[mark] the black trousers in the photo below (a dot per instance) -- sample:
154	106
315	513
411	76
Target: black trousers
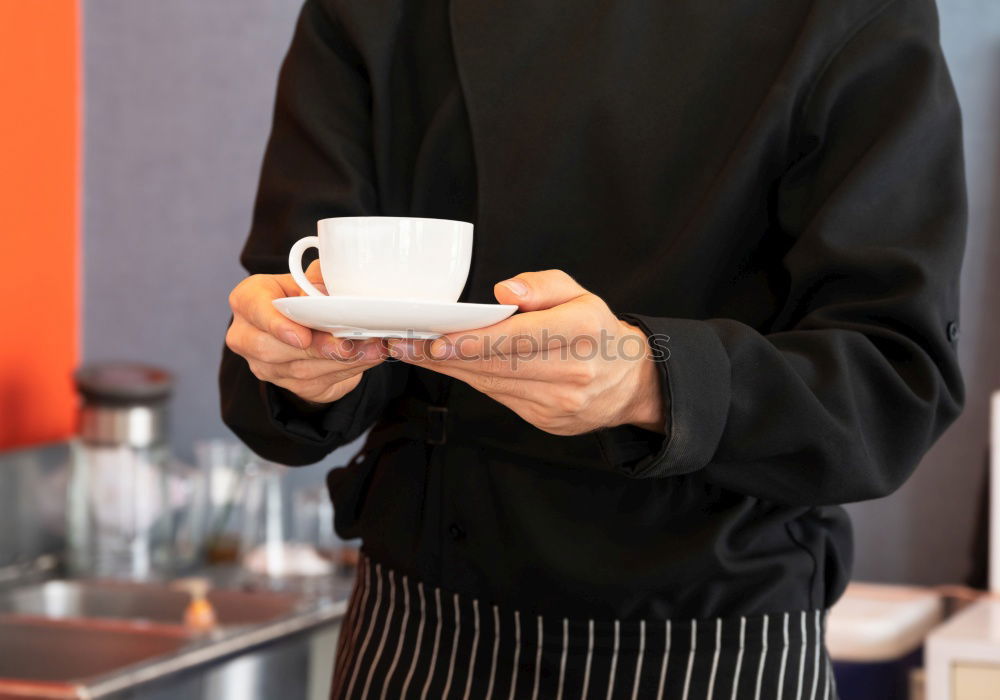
404	639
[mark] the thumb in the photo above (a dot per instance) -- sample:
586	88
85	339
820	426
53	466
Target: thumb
534	291
315	275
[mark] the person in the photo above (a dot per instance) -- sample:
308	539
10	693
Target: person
768	196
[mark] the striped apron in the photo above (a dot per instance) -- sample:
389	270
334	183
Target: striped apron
404	639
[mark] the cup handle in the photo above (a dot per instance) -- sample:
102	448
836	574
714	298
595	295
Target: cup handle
295	264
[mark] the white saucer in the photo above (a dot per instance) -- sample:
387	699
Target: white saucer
369	317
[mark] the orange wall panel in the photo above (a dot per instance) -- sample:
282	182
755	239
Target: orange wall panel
39	218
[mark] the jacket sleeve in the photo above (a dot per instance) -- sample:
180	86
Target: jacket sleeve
842	395
318	164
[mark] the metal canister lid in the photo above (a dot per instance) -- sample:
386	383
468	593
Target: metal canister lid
123	383
124	403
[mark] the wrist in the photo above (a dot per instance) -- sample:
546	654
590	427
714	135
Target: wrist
646	407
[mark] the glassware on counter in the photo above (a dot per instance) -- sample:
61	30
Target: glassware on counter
262	536
268	543
312	521
213	521
239	511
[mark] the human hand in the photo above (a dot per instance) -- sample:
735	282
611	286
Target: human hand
314	366
567	365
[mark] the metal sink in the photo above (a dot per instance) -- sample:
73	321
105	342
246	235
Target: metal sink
141	601
54	658
116	640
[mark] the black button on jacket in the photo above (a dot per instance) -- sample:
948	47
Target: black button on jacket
776	187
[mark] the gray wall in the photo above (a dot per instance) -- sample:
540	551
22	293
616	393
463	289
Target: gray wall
178	101
178	107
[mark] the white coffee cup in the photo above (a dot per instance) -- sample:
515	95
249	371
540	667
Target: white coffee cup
389	257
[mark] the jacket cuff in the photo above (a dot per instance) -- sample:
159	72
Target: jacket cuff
315	426
695	378
628	449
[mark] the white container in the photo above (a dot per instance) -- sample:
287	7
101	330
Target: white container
874	622
875	634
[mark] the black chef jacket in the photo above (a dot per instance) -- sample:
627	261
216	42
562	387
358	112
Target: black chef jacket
777	187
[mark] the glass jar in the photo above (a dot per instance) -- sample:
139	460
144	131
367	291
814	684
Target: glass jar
120	519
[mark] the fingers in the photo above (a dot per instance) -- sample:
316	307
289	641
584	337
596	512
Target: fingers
557	364
314	365
329	347
559	311
306	370
261	333
315	275
247	340
252	299
532	291
320	388
584	318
